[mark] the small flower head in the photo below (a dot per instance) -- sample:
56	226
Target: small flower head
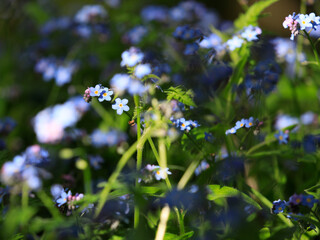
309	201
231	131
295	199
241	123
86	95
283	137
63	198
304	21
250	33
131	57
278	206
161	173
234	43
95	91
142	70
105	95
250	122
121	105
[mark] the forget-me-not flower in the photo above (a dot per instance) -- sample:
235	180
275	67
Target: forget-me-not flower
95	91
120	105
105	95
142	70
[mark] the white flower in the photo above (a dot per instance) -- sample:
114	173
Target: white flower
304	21
161	173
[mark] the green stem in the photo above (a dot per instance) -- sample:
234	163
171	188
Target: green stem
122	162
47	202
54	93
139	158
188	174
87	180
316	56
155	153
25	197
163	159
105	115
254	148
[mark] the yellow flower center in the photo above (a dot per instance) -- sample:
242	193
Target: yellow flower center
158	172
250	123
105	94
96	92
281	137
120	105
280	208
308	199
183	125
298	200
303	22
241	125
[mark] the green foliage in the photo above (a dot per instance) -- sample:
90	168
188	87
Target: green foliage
251	16
218	191
186	97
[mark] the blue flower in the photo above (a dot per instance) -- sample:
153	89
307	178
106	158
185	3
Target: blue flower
309	201
63	198
250	33
191	49
131	57
95	161
278	206
120	105
184	125
120	82
142	70
241	123
250	122
282	137
105	95
295	199
234	43
231	131
95	91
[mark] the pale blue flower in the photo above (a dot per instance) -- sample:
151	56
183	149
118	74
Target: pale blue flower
142	70
241	123
131	57
234	43
120	105
95	91
105	95
63	198
120	82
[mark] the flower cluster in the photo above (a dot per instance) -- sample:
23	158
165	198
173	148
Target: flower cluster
24	169
297	22
51	68
49	124
103	93
183	124
295	201
298	205
64	198
248	123
249	34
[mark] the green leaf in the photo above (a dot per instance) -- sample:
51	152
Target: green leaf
171	236
252	14
186	97
218	191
